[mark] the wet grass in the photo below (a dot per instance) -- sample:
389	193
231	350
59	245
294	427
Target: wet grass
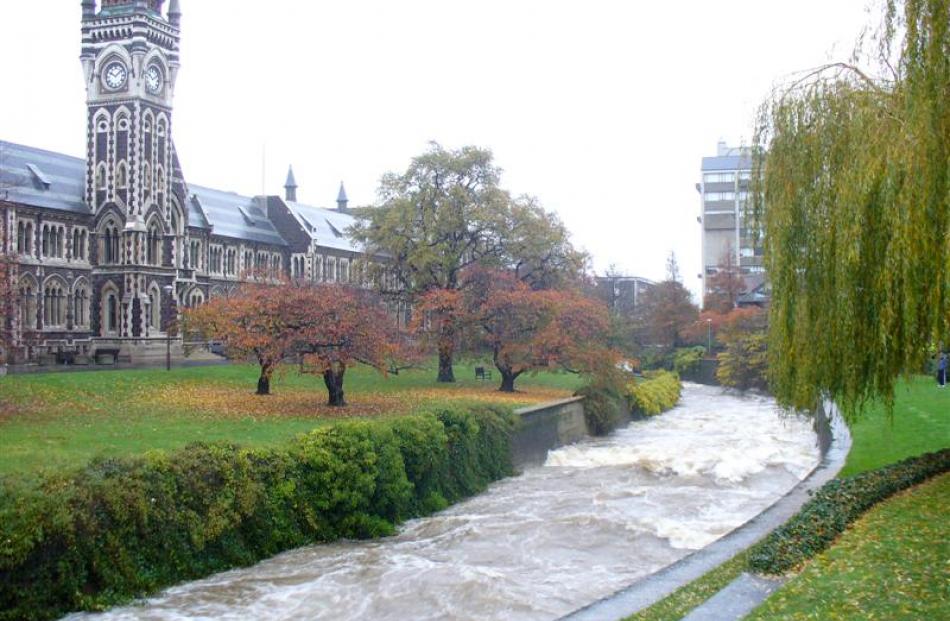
917	425
59	420
891	564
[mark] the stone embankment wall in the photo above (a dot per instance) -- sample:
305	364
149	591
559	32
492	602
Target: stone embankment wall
545	427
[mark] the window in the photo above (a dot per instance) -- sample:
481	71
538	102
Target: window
54	305
318	268
344	270
112	313
331	269
28	304
720	196
81	306
719	177
154	309
121	176
110	244
101	177
153	244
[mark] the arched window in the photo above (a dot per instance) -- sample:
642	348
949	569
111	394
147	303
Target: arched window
331	269
110	244
101	177
110	311
20	238
54	305
154	309
81	306
153	247
146	181
195	299
29	238
61	242
46	240
122	176
27	311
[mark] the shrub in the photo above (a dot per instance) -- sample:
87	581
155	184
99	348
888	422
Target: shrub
743	364
687	358
657	392
836	505
122	528
605	408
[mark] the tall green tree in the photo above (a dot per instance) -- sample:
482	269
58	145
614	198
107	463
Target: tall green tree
447	213
852	186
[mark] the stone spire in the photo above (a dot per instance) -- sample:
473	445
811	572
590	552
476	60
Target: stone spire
290	186
88	8
341	199
174	13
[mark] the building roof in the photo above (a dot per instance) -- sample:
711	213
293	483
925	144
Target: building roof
727	162
327	227
233	215
41	178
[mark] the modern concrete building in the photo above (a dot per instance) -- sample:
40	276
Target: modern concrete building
724	192
622	294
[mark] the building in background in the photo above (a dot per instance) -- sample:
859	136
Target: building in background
724	193
622	294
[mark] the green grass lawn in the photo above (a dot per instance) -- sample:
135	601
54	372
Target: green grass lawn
890	564
57	420
920	423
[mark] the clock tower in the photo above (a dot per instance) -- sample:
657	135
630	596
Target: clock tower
130	60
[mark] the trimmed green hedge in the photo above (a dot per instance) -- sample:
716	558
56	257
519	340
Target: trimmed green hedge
123	528
834	507
605	409
659	392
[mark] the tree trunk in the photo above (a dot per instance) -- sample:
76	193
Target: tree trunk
446	351
333	378
263	385
507	380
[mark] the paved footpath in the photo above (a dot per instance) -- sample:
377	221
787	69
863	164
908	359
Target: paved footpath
751	590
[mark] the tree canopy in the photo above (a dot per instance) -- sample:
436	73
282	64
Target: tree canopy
447	213
852	188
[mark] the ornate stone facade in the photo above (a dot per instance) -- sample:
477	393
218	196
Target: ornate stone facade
109	247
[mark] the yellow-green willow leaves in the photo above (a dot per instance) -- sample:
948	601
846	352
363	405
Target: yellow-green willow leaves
852	189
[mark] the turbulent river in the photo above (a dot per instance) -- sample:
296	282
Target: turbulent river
594	518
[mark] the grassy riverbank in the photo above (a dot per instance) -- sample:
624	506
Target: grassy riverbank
891	564
918	425
62	420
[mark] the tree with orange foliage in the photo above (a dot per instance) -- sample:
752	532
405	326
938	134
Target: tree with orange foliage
335	327
251	324
725	286
524	329
329	327
711	324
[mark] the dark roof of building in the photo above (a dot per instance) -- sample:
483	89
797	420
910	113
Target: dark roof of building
41	178
326	227
727	162
233	215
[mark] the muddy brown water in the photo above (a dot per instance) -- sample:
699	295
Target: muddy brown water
594	518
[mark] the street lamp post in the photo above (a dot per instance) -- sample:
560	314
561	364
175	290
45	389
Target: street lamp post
168	329
708	336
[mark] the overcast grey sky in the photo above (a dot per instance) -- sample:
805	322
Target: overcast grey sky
601	108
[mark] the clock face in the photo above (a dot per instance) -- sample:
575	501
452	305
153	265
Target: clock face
153	79
115	75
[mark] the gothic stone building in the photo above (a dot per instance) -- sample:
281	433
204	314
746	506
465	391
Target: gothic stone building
109	247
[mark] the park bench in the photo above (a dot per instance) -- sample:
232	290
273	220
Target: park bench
481	373
107	356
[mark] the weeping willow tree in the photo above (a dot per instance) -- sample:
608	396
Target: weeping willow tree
852	191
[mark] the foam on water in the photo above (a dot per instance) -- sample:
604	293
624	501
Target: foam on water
596	517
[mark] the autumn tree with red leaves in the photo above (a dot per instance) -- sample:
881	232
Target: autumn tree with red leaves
524	329
251	324
328	327
725	286
335	327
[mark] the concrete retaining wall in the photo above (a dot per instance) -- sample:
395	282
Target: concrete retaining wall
545	427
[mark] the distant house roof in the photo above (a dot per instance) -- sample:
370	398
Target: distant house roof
727	162
233	215
327	227
41	178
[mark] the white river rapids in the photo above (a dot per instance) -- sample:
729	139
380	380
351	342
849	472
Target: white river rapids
594	518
